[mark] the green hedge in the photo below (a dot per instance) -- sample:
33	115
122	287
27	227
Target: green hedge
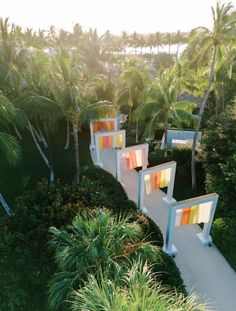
224	236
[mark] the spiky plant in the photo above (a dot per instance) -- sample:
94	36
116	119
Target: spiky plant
136	290
94	243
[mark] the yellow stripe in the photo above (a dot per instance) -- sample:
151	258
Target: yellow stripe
100	142
168	175
119	140
193	218
147	180
163	179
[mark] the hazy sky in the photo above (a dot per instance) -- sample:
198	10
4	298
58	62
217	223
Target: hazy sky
116	15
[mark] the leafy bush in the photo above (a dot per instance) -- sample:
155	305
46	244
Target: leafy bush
27	263
219	158
223	233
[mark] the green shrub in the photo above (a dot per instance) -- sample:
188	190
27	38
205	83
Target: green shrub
223	234
27	263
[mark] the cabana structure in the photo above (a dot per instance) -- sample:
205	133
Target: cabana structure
179	139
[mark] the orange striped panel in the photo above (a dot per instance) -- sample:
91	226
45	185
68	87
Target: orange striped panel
157	180
185	216
133	159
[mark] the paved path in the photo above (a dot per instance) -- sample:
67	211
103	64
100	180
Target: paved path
204	270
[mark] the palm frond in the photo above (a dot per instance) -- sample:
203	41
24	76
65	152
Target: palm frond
10	148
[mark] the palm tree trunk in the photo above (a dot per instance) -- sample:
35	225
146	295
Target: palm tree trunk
76	143
177	52
136	132
165	138
42	139
17	132
67	134
203	104
50	160
45	159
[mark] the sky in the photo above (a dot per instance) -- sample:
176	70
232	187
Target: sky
143	16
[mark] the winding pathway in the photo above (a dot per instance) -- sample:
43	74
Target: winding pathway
204	270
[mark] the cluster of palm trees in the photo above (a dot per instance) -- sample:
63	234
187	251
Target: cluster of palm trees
40	87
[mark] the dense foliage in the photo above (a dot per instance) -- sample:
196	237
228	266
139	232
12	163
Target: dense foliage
27	263
219	158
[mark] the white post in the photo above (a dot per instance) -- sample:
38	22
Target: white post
204	236
170	189
92	142
118	165
140	190
97	151
169	247
123	140
145	161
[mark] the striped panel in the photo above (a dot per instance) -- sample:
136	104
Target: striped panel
132	159
194	214
103	126
159	179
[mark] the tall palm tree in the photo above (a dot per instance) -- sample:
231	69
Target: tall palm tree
94	242
162	106
130	91
125	39
178	39
74	88
215	42
158	40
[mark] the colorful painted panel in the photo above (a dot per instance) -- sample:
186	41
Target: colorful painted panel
103	126
159	179
133	159
112	141
194	214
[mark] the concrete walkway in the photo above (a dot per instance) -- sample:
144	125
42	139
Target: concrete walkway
204	270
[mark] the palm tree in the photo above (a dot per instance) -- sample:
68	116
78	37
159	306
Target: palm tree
8	143
158	40
178	39
125	40
135	290
130	91
151	41
134	41
74	89
215	42
162	106
94	242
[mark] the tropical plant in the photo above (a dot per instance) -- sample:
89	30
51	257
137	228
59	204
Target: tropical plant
214	43
92	243
135	290
162	106
8	143
131	90
74	89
